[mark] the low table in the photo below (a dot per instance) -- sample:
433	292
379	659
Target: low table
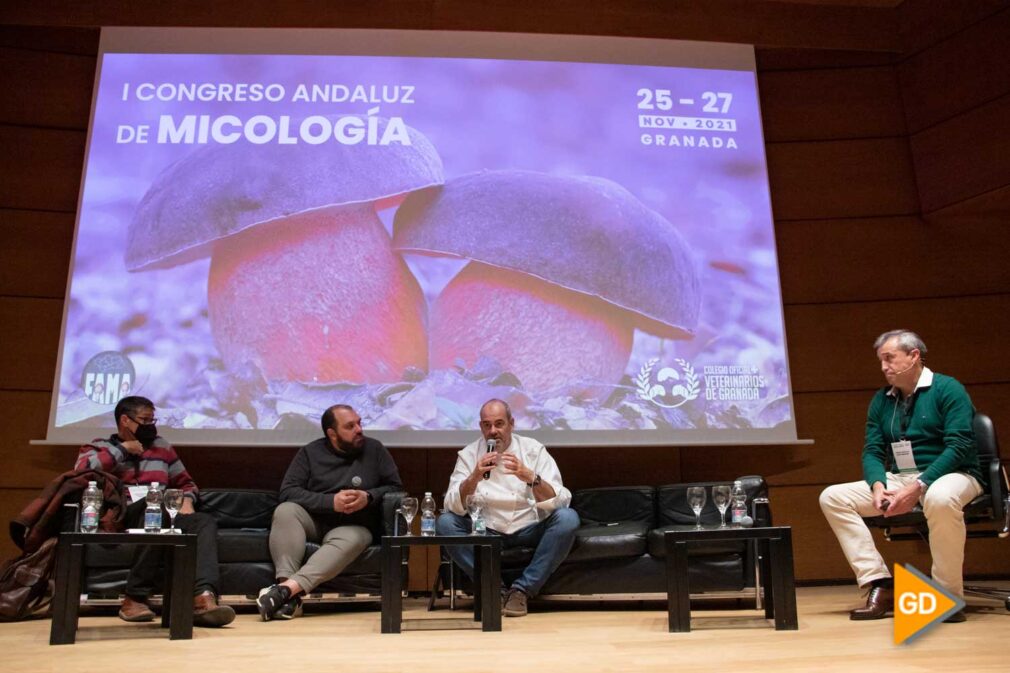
487	571
180	567
775	547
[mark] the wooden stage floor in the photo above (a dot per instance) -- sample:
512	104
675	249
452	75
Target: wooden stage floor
557	638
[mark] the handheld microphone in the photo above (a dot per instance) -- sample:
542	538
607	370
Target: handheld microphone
491	443
356	481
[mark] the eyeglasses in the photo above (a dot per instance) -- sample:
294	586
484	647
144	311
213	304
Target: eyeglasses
143	421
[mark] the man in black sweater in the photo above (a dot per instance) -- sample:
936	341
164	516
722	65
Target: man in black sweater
332	495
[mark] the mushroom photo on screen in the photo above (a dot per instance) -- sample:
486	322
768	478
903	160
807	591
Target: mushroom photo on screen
303	281
562	270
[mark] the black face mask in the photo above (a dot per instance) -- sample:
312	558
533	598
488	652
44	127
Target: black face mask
146	434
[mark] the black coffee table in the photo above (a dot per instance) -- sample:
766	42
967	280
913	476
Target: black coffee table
775	545
487	570
180	567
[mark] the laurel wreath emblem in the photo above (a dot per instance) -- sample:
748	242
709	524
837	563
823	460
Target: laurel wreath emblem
691	384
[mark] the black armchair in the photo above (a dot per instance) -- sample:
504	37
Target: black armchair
988	515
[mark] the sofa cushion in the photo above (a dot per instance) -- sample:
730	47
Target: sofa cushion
598	541
239	508
618	503
243	545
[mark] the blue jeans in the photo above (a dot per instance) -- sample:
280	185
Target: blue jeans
553	538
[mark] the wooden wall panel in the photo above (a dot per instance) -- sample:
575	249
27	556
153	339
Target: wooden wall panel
770	59
924	23
849	178
827	342
82	41
31	336
60	86
40	169
992	207
963	157
805	104
26	414
945	256
766	23
35	254
958	74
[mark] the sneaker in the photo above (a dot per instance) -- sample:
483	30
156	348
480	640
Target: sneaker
135	610
271	599
208	612
290	610
515	604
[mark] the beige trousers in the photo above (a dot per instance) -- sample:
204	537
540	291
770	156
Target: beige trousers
338	547
844	505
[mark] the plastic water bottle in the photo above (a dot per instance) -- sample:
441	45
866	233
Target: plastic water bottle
739	498
152	515
91	508
428	515
479	526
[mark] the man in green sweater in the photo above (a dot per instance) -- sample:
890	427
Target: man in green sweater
920	447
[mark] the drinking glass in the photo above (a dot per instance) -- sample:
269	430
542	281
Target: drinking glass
474	505
696	501
720	496
173	503
408	508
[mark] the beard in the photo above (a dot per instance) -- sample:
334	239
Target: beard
353	448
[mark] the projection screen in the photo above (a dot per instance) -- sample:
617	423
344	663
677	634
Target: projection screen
275	221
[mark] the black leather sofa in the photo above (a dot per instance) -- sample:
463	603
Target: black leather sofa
619	549
243	519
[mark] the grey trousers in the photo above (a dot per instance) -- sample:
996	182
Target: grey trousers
338	547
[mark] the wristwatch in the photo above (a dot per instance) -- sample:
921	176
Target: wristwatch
536	482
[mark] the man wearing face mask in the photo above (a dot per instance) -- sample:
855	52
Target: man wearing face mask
919	448
332	495
140	457
524	501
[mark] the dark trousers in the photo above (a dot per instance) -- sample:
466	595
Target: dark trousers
146	574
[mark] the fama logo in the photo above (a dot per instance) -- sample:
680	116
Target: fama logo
670	387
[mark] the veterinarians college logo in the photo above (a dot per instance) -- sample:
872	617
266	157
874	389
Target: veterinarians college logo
670	387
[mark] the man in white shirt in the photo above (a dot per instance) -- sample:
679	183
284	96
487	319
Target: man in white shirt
524	502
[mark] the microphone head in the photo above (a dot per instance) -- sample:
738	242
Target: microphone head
356	481
491	444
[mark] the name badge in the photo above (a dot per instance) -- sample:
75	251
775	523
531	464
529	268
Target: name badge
903	456
137	493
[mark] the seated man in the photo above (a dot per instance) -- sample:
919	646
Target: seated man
138	456
332	495
525	502
920	424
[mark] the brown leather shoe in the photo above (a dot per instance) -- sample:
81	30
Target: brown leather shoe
515	603
131	610
879	604
208	612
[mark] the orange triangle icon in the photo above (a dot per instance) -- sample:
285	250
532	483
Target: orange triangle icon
919	604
